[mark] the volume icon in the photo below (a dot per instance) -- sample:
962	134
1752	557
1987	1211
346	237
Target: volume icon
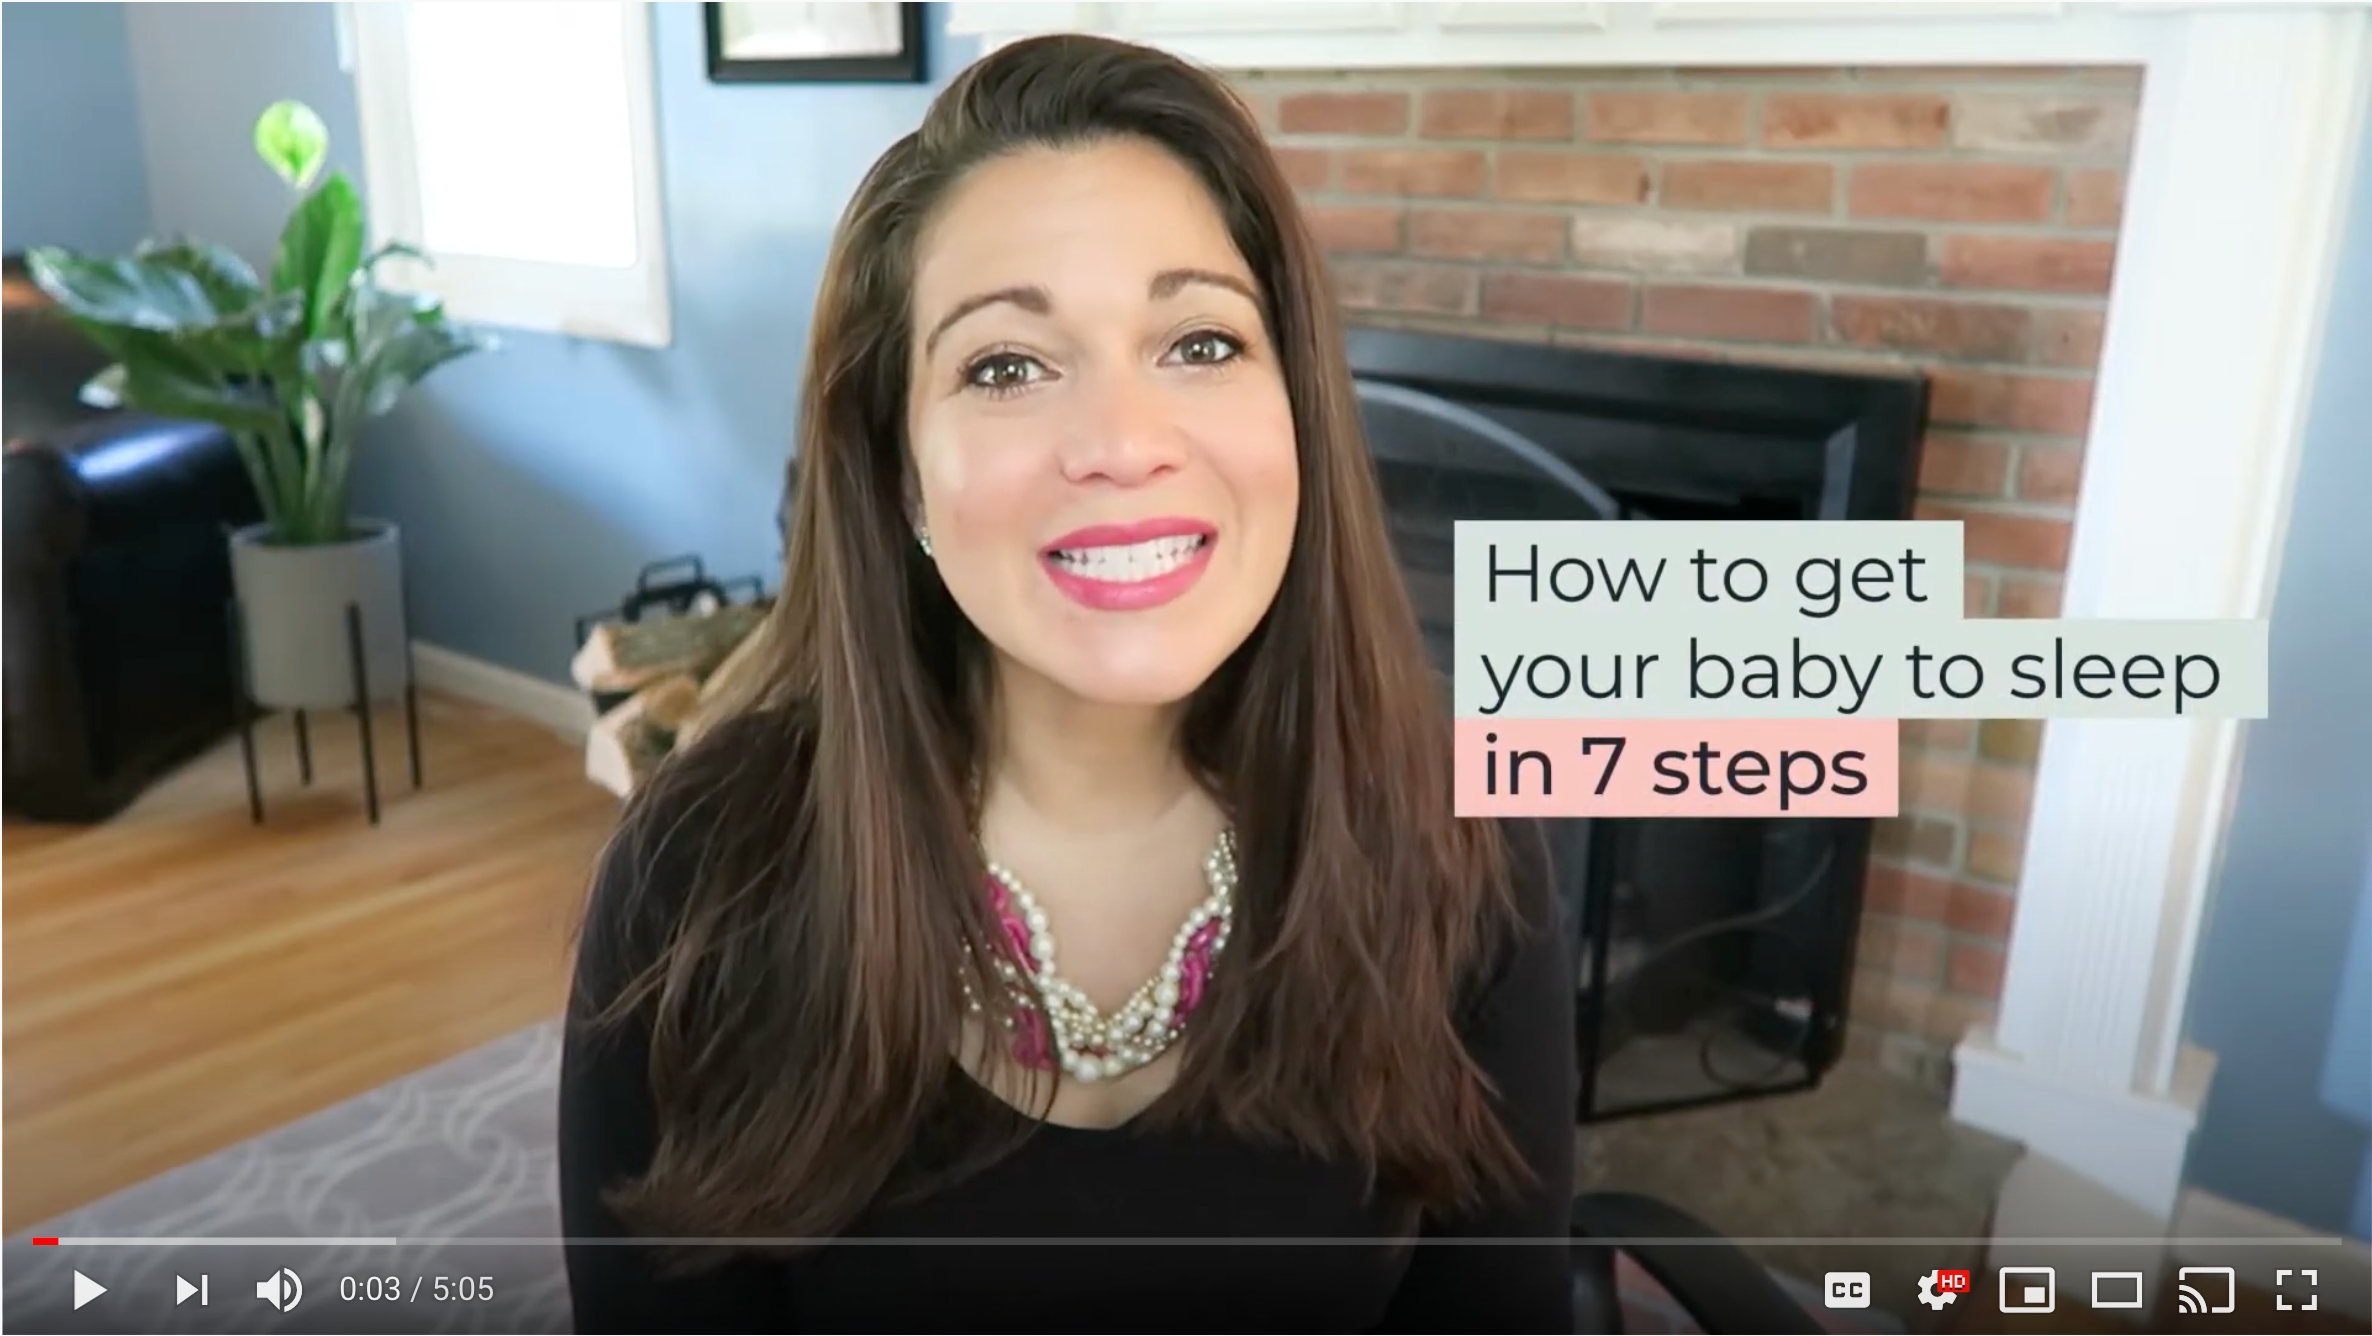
281	1290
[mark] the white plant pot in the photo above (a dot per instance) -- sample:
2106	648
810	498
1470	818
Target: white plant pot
293	604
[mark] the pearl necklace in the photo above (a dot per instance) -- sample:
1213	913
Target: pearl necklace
1083	1040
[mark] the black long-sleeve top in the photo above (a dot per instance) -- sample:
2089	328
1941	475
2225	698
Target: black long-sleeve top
1119	1184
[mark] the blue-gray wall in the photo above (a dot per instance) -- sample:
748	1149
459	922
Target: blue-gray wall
68	132
532	484
2283	989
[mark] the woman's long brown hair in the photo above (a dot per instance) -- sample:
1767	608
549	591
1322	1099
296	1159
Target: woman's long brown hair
811	866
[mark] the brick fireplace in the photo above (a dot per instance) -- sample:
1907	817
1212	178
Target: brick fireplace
2104	233
1960	224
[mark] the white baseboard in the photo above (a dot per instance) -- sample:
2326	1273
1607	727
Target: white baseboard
564	710
2133	1144
2343	1280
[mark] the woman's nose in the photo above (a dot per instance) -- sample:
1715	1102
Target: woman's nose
1129	434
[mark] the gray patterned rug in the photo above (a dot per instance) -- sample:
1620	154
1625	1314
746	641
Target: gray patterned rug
456	1161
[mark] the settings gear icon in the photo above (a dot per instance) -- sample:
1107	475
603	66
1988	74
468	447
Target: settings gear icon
1928	1295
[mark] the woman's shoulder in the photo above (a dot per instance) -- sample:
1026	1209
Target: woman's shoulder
741	775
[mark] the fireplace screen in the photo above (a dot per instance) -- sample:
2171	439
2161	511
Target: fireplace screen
1714	954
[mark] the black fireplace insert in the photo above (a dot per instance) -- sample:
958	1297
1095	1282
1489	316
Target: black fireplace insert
1716	953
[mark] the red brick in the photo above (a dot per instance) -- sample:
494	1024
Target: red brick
2067	337
1422	171
2025	597
2028	264
1916	839
1305	169
1572	178
2050	474
1487	234
1990	793
1963	466
1667	118
1370	286
1770	187
1976	970
1985	333
1765	73
1972	192
2051	405
1855	121
2095	198
1343	114
1980	910
1906	950
2031	542
1976	594
2017	741
1967	73
1996	856
1496	113
1764	315
1557	299
1939	735
1647	244
1906	894
1835	254
2023	123
1356	229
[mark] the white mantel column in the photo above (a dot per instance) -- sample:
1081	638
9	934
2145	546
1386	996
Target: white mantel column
2234	208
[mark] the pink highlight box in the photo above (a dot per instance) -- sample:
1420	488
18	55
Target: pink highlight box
1816	767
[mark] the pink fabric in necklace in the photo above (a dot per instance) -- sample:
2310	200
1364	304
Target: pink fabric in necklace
1033	1047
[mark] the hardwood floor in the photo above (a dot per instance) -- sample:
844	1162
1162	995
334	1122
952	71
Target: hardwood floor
179	980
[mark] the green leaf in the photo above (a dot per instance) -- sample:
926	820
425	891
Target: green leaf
105	390
133	293
155	389
292	141
398	339
320	249
228	281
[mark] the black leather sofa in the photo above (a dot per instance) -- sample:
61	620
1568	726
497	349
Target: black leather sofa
116	572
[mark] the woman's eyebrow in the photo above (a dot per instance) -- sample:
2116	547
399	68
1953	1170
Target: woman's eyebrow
1035	300
1029	297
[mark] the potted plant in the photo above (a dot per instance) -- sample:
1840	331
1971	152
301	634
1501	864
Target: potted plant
294	364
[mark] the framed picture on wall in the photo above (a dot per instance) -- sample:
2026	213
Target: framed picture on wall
814	43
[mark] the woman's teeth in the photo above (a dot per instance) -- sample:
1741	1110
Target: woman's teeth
1132	562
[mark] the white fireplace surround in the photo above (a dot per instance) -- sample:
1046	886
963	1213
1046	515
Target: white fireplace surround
2249	119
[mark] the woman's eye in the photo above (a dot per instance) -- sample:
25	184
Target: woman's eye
1207	348
1002	372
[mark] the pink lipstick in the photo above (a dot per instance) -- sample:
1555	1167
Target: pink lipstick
1130	567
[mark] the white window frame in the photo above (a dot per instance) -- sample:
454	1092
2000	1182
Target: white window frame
629	305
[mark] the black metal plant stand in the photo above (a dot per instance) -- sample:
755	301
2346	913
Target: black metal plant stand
245	710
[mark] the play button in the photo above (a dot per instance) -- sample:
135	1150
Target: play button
86	1289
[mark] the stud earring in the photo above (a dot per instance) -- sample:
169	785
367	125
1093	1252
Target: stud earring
922	536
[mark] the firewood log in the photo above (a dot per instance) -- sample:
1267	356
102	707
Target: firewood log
627	656
730	687
630	741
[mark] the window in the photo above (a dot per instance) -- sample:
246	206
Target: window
516	145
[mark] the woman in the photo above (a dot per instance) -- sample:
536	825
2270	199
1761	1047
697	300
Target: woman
1086	872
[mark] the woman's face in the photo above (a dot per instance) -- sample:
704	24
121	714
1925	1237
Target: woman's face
1101	434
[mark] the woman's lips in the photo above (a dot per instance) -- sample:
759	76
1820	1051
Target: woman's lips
1130	567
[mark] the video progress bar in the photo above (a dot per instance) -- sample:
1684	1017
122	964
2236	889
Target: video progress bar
253	1241
533	1241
